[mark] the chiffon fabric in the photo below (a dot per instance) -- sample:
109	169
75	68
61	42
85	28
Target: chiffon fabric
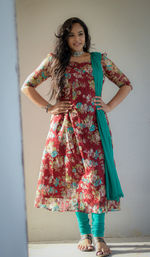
112	184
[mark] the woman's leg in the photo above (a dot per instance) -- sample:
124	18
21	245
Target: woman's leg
84	228
83	222
98	227
98	224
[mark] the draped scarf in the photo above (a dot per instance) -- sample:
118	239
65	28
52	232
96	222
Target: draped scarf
113	187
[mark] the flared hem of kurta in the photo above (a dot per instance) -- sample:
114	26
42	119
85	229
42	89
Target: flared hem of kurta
72	205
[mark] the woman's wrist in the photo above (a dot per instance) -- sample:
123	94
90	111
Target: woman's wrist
118	98
110	107
47	107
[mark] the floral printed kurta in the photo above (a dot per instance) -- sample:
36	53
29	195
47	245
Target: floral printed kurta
72	174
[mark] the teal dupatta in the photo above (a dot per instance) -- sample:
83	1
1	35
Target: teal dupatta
113	187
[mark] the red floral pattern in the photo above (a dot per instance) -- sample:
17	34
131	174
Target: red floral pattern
72	175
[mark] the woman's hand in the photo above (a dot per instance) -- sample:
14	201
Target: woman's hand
60	107
99	102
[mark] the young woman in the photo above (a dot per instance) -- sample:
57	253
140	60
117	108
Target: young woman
72	173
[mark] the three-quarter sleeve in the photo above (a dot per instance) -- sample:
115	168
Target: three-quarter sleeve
41	73
113	73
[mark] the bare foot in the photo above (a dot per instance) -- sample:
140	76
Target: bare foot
102	249
85	244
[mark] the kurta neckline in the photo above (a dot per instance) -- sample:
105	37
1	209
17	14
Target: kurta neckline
72	62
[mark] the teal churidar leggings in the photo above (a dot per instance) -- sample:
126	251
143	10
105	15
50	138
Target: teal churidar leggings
98	225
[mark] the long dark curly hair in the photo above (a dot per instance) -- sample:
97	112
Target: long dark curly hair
62	53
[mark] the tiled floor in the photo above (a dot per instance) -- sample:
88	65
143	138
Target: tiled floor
127	247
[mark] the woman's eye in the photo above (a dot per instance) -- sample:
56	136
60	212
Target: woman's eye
71	35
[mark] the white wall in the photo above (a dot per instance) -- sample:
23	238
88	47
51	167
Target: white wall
13	234
121	28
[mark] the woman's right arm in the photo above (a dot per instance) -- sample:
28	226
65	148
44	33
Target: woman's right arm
43	72
40	74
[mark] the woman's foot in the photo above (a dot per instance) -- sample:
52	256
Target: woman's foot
101	247
85	243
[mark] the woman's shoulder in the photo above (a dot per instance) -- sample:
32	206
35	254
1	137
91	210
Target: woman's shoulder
105	59
103	54
51	55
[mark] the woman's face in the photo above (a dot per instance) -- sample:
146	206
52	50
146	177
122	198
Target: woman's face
76	38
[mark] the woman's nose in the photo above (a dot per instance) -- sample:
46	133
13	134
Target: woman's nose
76	38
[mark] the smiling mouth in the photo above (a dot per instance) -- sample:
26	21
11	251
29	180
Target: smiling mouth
77	44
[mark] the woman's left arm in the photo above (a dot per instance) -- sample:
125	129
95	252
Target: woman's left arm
113	73
118	98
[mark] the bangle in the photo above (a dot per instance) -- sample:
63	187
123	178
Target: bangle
46	107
